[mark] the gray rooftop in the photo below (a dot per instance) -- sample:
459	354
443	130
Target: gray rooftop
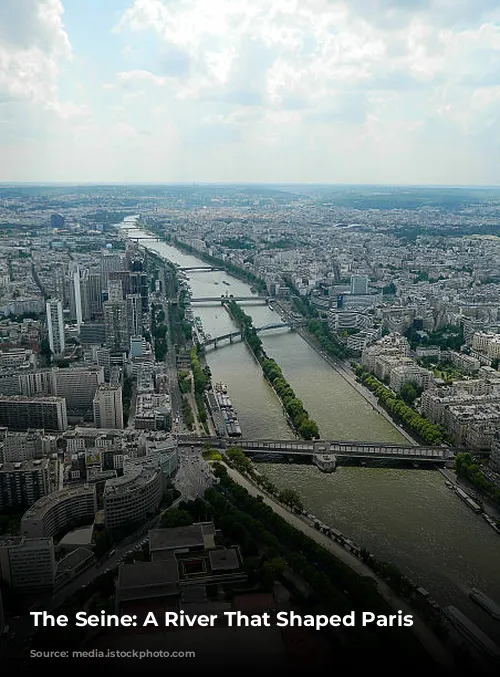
176	537
147	579
224	560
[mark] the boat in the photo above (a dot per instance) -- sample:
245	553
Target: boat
473	634
227	410
449	484
228	284
485	602
467	499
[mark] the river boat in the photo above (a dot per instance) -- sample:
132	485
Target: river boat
467	499
227	410
485	602
473	634
492	522
228	284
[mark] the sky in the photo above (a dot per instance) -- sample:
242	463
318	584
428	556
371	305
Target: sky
305	91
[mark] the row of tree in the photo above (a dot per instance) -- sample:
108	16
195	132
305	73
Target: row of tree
232	268
305	426
246	327
187	413
258	529
400	411
328	341
159	331
288	496
201	379
466	467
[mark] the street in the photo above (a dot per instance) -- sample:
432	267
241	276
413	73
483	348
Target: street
194	475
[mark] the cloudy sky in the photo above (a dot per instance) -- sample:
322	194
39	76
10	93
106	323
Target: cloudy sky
362	91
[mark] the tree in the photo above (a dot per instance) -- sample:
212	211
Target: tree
271	571
291	498
409	393
175	518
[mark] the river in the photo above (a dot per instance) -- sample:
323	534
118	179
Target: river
404	516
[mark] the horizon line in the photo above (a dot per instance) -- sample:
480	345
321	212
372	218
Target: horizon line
243	183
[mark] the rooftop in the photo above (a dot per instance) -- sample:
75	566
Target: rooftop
193	536
44	504
71	561
138	476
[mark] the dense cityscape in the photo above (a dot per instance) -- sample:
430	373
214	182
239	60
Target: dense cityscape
250	336
122	443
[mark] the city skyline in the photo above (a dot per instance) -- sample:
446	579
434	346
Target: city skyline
152	92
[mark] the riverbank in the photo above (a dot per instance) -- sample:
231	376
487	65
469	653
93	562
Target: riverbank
427	638
456	481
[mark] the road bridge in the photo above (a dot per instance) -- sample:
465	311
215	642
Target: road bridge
231	336
227	299
349	449
200	269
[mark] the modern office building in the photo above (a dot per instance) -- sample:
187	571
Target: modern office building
60	512
57	221
115	290
55	326
22	413
93	333
134	497
91	288
108	407
77	385
116	325
359	284
77	295
134	314
23	483
28	564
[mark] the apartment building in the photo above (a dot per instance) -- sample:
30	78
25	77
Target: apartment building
59	512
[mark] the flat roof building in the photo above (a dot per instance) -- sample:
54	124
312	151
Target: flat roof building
61	511
28	564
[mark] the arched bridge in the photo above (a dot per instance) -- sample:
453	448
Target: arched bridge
358	450
231	336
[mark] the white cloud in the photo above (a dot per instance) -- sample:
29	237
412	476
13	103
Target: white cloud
361	90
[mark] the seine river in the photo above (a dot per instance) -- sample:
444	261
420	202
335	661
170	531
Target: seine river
405	516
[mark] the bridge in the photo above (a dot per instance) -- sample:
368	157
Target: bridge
200	269
353	449
141	239
214	340
227	299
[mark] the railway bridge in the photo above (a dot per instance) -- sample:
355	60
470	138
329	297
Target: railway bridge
339	449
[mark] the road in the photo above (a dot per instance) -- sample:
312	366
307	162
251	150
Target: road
194	475
422	632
